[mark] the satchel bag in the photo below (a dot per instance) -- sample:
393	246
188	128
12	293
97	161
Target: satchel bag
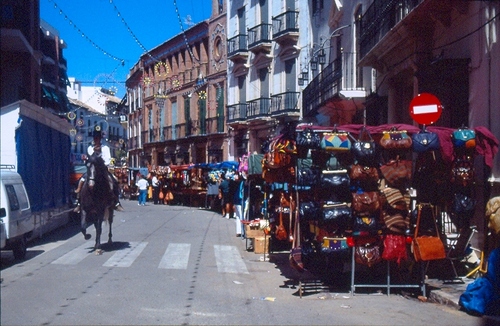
425	141
397	172
335	180
365	203
367	174
396	222
464	138
309	211
336	141
395	248
368	254
308	176
395	198
307	138
427	247
334	245
338	214
364	149
366	224
395	139
462	172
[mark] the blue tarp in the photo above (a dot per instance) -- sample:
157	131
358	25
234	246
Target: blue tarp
43	161
227	165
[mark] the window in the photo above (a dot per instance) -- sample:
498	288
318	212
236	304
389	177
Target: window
11	193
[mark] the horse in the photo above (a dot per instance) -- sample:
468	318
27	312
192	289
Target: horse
96	200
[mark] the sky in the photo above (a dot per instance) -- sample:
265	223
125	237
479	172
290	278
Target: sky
101	33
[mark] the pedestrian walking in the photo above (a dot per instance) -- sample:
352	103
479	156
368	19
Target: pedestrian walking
156	188
225	196
142	184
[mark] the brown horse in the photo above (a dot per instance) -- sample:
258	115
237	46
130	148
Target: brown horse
96	200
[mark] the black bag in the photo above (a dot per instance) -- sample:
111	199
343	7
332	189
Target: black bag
309	211
308	138
338	214
335	180
308	176
425	141
364	149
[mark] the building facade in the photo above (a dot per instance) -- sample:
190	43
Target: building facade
176	95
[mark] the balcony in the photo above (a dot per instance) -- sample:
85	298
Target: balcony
286	28
260	38
237	112
237	48
259	109
285	103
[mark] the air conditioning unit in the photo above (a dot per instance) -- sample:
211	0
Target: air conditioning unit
123	118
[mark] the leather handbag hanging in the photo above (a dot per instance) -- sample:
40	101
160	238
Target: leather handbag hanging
464	138
365	202
295	257
364	149
335	180
363	173
397	172
395	248
427	247
336	141
281	233
338	214
425	141
368	253
308	138
395	139
462	171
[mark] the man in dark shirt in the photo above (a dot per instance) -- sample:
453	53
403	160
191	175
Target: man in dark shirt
225	194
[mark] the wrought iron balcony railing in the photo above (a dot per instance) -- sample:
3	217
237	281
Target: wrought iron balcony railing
237	112
259	108
285	103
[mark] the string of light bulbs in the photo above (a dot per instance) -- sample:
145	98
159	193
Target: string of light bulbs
61	12
184	34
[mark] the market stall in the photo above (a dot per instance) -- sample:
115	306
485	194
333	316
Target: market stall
350	196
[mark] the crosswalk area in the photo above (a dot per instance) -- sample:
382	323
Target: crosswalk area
175	257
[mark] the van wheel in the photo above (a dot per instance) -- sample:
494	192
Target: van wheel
19	250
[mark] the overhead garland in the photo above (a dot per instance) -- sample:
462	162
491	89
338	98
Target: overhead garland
184	34
61	12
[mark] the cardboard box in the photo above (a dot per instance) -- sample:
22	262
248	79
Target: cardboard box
251	232
261	245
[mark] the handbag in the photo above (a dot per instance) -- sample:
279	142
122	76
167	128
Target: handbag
362	173
309	211
365	202
395	139
396	222
338	214
335	180
427	247
366	224
364	149
395	198
463	138
368	253
308	138
397	172
424	141
308	176
462	172
336	141
161	195
395	248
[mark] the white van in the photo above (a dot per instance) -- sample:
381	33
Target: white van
15	212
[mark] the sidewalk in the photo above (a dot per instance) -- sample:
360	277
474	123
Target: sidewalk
446	293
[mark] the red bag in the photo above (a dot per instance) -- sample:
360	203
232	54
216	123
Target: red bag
395	248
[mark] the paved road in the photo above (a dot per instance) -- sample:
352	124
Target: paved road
180	265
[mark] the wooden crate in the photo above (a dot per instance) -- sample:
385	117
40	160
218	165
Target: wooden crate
261	245
251	232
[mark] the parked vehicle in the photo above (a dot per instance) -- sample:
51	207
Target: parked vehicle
18	222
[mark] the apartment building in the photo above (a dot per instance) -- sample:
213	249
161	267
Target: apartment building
176	96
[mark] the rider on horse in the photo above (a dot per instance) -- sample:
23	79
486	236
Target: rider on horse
102	151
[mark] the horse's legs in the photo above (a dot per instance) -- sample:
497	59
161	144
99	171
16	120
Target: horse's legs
83	225
98	231
110	221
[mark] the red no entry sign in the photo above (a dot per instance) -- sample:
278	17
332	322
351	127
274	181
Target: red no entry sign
425	109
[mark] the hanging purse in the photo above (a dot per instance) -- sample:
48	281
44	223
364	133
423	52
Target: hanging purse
335	180
365	202
309	211
395	139
338	214
364	149
427	247
464	138
368	253
395	198
307	176
366	224
462	172
425	141
395	248
336	141
367	174
334	245
397	172
308	138
396	222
